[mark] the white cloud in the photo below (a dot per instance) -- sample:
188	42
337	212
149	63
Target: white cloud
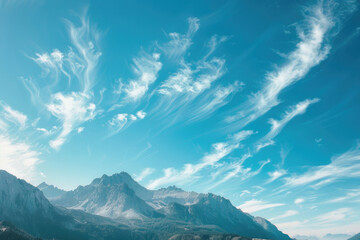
237	170
80	129
193	82
72	110
118	121
299	200
3	125
285	226
277	126
179	43
254	205
146	68
47	132
346	165
334	216
141	114
309	52
276	174
215	99
287	214
83	63
244	192
146	172
12	115
18	158
350	195
214	42
189	171
122	120
78	63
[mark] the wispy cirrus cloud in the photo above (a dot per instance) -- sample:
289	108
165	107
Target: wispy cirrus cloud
276	175
78	65
190	171
287	214
18	158
144	173
11	115
238	170
346	165
179	43
122	120
193	81
350	195
334	216
277	126
213	100
146	68
190	90
255	205
309	52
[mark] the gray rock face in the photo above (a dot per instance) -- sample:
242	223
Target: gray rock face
132	212
50	191
120	197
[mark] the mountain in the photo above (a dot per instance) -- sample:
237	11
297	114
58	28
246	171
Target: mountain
26	207
50	191
355	237
113	197
9	232
132	212
121	198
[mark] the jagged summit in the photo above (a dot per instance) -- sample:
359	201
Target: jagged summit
121	200
116	178
50	191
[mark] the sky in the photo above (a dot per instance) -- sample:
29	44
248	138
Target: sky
257	102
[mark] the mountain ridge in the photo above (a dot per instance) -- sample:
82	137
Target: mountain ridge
206	216
170	203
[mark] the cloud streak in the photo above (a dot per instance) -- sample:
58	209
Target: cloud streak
146	68
189	171
179	43
254	205
309	52
12	115
122	120
78	65
346	165
277	126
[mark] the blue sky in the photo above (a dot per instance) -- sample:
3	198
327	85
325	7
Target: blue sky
256	102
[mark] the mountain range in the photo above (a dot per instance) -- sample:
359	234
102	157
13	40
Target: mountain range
117	207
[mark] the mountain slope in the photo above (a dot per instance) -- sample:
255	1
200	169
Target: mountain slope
110	197
210	209
27	208
355	237
120	197
9	232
